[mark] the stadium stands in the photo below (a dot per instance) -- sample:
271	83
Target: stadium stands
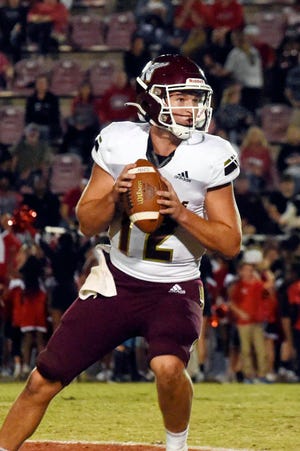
275	119
11	124
100	75
66	171
26	71
66	76
86	31
120	29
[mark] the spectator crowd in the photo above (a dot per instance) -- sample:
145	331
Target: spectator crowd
251	330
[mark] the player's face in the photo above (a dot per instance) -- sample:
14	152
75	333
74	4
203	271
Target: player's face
185	106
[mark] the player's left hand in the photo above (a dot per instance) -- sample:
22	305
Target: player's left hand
169	201
124	181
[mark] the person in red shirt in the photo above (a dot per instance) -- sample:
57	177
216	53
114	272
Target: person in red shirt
112	105
226	14
293	293
31	299
47	24
246	301
270	309
257	161
69	202
9	246
190	14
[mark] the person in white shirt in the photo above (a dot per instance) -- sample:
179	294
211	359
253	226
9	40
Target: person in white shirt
244	65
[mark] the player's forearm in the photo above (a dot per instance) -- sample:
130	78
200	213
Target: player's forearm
94	216
213	235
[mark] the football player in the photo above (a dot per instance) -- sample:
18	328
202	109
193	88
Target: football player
151	286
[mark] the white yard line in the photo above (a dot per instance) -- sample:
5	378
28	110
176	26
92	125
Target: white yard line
130	444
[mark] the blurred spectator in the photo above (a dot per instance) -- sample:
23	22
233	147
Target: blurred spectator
9	247
288	157
79	136
190	15
190	22
222	271
267	54
112	105
9	198
6	72
286	371
23	223
63	259
283	205
254	216
32	301
162	9
5	158
43	109
231	116
246	297
47	24
287	56
157	31
272	325
201	350
293	296
244	65
217	47
292	85
12	331
257	161
68	204
44	203
135	58
195	41
30	156
214	73
82	126
273	259
227	14
13	18
124	362
85	103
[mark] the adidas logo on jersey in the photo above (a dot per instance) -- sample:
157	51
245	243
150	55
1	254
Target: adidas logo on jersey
177	289
184	176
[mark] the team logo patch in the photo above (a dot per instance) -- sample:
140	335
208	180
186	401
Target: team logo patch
230	165
147	75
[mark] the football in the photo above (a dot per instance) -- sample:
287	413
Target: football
140	201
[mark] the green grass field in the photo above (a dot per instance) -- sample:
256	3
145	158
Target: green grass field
252	417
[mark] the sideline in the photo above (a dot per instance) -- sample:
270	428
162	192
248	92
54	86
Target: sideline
122	445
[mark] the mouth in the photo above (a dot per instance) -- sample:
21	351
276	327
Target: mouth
184	120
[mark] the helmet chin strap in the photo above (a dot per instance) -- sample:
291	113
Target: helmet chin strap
181	132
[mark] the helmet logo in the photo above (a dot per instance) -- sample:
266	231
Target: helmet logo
148	71
195	81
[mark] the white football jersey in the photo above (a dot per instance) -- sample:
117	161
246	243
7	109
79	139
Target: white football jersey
170	254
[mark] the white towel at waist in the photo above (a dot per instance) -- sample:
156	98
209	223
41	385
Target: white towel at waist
100	279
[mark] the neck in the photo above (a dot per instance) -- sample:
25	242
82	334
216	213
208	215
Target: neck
163	141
